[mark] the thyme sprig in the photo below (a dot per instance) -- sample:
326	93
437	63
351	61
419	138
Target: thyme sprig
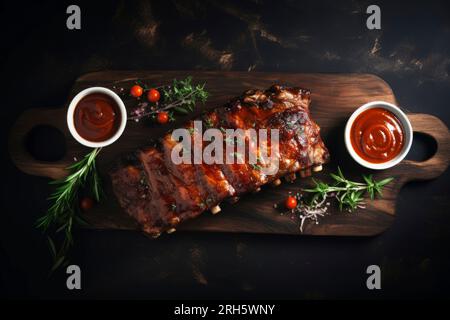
63	213
349	194
179	97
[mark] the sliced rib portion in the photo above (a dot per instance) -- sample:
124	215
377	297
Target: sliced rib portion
159	194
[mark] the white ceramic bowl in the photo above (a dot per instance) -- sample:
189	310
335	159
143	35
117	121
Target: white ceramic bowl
407	131
71	110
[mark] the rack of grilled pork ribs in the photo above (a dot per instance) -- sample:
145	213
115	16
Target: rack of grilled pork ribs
160	194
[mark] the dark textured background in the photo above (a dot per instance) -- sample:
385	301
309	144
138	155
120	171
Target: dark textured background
40	59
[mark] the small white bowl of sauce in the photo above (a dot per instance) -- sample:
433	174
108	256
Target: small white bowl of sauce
378	135
96	117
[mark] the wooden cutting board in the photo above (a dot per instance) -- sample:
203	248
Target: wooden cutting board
334	97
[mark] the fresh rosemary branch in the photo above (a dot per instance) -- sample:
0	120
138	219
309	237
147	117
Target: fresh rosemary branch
63	213
180	97
349	194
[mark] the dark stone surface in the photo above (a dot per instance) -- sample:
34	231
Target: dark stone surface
41	59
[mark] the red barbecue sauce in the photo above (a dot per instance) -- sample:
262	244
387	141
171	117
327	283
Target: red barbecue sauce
377	135
97	117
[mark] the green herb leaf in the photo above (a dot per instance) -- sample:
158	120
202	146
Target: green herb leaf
384	182
181	110
51	244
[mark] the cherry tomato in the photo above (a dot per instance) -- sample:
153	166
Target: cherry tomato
162	117
86	203
291	202
136	91
153	95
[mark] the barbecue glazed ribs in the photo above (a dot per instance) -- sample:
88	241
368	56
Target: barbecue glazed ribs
160	194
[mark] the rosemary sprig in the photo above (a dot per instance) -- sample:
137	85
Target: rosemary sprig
349	194
63	213
180	97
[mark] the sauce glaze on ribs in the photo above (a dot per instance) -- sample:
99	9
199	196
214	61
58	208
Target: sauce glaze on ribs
160	194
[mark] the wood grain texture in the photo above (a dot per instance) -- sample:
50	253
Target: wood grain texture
334	98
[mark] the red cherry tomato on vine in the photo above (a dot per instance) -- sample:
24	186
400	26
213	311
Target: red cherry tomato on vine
291	202
136	91
153	95
162	117
86	203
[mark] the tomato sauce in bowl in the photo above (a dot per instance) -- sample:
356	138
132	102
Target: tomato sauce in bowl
377	135
97	117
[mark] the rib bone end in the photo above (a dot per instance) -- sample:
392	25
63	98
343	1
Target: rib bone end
175	220
317	168
276	182
215	209
156	235
171	230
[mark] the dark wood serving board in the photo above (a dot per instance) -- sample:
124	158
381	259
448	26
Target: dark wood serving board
334	97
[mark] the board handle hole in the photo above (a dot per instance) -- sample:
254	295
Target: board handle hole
423	148
46	143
